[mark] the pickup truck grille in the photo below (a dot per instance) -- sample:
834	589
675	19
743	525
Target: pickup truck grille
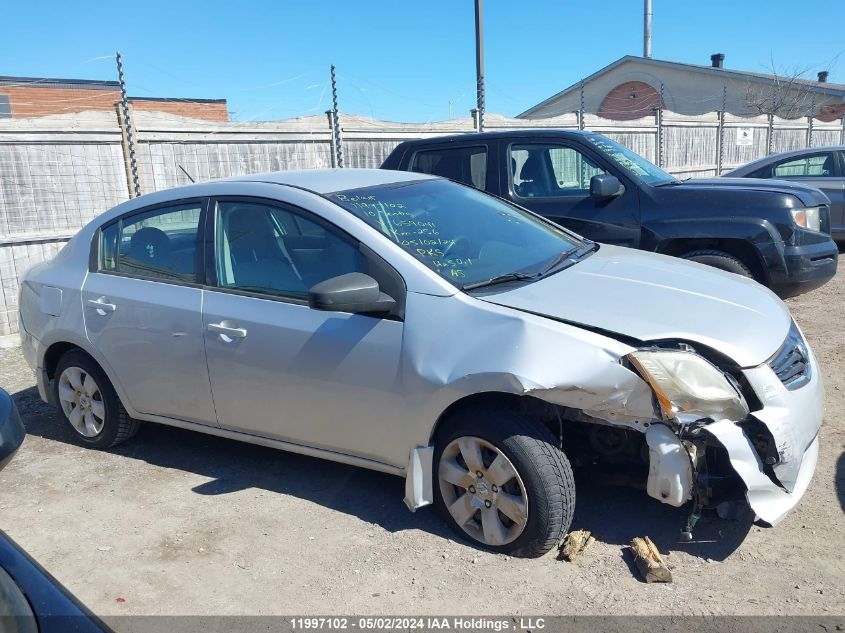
791	363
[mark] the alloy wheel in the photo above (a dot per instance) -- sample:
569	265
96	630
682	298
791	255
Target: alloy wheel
483	491
82	402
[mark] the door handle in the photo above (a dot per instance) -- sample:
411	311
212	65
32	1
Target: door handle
101	306
226	330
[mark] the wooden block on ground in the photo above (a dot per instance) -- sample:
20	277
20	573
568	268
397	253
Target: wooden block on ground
574	543
649	561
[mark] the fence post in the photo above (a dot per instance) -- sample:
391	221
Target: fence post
842	133
810	131
658	122
581	108
330	116
337	131
770	133
126	134
720	140
476	119
124	144
720	143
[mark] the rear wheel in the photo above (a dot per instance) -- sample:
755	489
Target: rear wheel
720	260
89	402
502	483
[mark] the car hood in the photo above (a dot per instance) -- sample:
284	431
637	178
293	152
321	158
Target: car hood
653	297
809	196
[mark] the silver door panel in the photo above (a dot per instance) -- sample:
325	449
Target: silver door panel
151	333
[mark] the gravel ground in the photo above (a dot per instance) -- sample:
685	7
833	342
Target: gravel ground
176	522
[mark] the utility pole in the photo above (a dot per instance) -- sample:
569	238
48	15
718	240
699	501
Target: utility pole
479	61
647	29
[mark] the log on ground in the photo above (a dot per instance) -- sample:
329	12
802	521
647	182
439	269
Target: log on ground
649	561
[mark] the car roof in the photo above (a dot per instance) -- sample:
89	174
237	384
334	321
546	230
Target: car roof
316	181
483	136
323	181
795	153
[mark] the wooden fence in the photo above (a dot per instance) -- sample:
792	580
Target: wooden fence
59	172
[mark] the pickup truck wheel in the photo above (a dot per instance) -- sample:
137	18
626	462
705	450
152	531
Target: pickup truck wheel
90	404
720	260
501	482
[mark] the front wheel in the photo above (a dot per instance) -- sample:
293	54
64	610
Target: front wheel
720	260
501	482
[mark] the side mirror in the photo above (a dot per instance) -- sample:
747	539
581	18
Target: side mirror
605	186
353	292
12	430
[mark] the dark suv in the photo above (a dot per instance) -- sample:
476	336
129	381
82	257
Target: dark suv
774	231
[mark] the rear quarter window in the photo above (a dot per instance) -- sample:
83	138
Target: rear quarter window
464	164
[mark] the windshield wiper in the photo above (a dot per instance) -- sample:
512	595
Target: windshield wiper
572	254
500	279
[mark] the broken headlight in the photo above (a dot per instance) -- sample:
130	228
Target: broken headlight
688	387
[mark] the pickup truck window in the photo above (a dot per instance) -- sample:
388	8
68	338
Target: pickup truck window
549	171
464	164
631	162
463	235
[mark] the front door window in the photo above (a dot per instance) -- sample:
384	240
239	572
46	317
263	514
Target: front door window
550	171
272	250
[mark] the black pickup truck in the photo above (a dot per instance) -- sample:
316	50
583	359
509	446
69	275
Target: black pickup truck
777	232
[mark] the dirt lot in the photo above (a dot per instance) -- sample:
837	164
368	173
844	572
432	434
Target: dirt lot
181	523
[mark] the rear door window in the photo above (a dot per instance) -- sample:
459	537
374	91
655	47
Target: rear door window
464	164
158	244
816	166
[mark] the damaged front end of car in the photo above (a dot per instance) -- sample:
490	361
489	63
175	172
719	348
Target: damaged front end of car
726	437
679	415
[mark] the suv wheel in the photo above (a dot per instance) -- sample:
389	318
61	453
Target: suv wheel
89	402
720	260
501	482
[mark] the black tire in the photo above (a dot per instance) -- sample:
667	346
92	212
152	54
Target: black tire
720	260
543	468
117	425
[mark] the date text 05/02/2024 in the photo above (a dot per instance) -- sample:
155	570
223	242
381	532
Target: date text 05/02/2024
431	623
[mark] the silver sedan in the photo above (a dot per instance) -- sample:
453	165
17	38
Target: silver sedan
412	325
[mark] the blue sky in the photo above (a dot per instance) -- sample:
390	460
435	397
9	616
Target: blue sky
398	60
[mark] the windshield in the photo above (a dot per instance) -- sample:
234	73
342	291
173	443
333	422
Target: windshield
462	234
630	161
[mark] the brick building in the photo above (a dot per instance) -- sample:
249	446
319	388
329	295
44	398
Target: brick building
22	97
